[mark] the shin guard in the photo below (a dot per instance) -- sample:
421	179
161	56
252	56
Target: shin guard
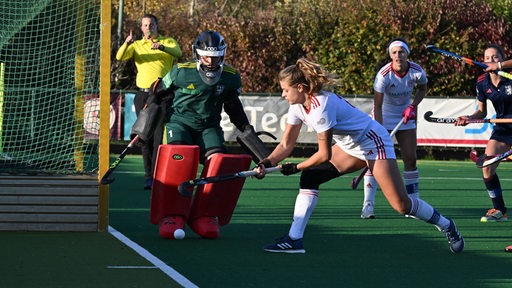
216	201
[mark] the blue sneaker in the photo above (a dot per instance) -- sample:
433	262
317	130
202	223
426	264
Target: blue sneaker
286	245
454	239
148	183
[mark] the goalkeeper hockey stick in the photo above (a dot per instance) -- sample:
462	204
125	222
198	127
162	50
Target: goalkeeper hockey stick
429	118
433	48
142	130
356	181
105	179
485	160
183	188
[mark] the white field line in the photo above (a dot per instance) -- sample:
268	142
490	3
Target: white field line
151	258
132	267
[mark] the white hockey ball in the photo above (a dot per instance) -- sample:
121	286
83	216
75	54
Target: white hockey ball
179	234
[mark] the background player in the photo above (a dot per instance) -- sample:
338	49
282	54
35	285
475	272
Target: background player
497	89
393	87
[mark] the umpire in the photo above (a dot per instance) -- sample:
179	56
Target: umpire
154	57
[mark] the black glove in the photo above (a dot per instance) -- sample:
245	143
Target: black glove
289	169
265	163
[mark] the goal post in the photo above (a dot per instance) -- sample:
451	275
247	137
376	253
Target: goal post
104	84
2	69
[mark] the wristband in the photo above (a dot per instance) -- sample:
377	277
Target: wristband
499	65
265	163
161	47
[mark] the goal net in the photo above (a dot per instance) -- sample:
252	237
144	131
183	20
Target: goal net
49	86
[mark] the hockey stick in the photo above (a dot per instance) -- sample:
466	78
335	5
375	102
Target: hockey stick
485	160
105	179
355	181
473	155
469	61
183	188
142	130
429	118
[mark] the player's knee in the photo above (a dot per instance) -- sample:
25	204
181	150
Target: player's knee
313	177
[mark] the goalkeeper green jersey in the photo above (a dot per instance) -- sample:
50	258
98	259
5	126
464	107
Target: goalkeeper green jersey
197	104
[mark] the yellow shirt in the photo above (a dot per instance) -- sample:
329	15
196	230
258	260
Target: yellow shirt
150	63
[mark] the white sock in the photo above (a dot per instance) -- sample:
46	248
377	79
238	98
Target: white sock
411	181
370	188
423	211
304	206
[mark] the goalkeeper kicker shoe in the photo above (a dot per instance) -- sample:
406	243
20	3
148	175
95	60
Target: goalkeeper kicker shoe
494	215
206	227
170	224
454	238
286	245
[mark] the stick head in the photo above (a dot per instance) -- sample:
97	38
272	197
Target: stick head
431	47
473	155
185	189
107	180
354	184
480	161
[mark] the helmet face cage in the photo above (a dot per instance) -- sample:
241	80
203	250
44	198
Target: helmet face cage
210	44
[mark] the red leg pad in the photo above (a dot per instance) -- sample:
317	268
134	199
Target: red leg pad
217	201
174	165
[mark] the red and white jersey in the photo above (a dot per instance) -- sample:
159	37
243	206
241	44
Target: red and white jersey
353	130
397	92
329	110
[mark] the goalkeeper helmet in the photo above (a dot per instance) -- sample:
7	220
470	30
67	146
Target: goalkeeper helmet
210	44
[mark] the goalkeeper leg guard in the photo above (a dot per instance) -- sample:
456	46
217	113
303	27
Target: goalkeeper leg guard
213	204
175	164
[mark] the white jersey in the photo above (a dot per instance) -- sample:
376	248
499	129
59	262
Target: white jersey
397	92
353	130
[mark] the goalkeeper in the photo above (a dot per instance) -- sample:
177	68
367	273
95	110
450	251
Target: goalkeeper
199	91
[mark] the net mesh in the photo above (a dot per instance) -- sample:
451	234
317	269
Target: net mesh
49	86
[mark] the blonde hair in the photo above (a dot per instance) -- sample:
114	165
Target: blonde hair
309	74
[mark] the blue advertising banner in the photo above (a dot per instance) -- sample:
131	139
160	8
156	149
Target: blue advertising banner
129	115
